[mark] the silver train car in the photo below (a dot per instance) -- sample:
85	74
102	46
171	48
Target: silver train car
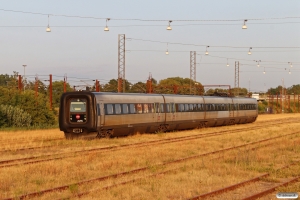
101	114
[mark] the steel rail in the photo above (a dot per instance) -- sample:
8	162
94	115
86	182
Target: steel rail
113	148
64	187
272	189
238	185
4	163
49	146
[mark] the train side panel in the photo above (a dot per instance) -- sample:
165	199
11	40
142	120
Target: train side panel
130	113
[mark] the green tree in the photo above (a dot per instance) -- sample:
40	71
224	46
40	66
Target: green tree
112	86
294	89
181	85
57	91
36	106
239	91
275	91
138	87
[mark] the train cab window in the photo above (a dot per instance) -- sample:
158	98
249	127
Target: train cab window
109	109
138	108
162	108
78	105
132	108
125	108
118	109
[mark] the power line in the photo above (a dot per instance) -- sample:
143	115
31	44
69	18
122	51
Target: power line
148	20
210	46
137	25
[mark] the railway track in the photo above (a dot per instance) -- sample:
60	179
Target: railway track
36	140
232	189
49	157
286	120
257	144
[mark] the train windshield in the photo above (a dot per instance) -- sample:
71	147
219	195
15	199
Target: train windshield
78	105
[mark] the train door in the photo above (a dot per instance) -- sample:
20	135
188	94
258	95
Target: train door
231	109
170	113
100	114
158	112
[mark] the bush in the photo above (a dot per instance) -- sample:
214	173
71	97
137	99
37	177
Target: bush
13	117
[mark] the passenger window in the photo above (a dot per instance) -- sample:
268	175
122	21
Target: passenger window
191	106
167	108
195	109
199	107
146	109
177	107
172	107
125	108
208	107
181	107
157	108
186	107
162	108
132	108
118	109
138	108
150	108
109	109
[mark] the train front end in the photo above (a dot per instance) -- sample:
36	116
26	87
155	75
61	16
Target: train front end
77	115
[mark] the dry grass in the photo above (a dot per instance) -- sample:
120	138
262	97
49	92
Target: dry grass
187	179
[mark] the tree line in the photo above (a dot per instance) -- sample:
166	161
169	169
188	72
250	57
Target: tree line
31	107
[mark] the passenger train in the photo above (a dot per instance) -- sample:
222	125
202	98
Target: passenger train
101	114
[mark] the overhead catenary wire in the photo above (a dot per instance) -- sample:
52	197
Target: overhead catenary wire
137	25
214	46
153	20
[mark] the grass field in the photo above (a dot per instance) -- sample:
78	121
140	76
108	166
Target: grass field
163	176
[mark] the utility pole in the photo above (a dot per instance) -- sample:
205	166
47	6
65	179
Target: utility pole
24	75
121	63
282	92
50	90
237	77
20	83
36	88
65	83
192	71
149	84
97	86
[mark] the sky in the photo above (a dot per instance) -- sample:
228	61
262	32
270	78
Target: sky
78	47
